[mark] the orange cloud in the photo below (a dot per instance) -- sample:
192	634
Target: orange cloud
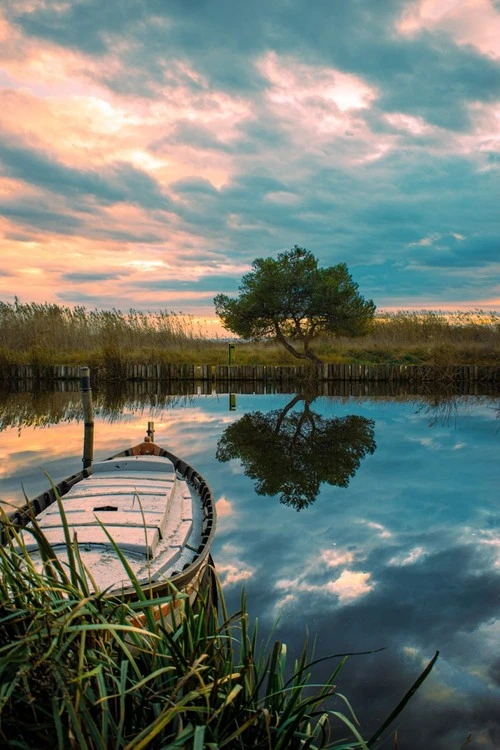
224	507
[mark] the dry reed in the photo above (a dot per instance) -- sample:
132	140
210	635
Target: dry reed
41	334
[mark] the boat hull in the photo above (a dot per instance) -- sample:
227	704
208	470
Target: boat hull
164	536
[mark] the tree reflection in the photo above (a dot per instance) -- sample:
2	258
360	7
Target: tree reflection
292	452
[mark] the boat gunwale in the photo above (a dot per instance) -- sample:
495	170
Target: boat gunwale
20	517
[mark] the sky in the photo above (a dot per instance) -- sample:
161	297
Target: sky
150	151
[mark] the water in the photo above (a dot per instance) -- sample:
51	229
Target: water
372	522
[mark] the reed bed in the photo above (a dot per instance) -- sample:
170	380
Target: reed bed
49	334
423	338
82	669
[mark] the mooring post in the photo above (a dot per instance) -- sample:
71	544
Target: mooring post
230	350
151	431
88	418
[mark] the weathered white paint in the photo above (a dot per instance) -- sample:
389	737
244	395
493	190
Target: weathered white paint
153	516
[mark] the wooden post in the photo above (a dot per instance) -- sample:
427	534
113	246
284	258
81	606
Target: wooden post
88	418
151	431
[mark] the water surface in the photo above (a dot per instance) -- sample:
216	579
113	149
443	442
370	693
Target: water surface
371	522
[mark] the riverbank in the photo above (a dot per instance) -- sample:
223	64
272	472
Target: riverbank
122	372
47	335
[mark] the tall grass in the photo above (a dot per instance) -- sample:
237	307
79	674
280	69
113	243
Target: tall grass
45	333
51	334
433	338
78	669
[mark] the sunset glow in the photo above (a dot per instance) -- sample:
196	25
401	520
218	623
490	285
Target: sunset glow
148	157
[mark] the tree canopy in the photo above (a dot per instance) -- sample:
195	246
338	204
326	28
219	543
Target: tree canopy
292	300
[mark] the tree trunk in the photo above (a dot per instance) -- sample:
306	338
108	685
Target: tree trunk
307	353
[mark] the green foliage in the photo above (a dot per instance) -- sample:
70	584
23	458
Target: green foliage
79	669
293	300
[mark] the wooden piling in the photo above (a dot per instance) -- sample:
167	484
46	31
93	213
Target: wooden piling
170	372
88	418
151	431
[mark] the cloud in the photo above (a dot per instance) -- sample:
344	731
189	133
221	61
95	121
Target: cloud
334	557
474	22
121	182
84	278
233	571
198	134
231	574
206	284
26	212
350	585
408	558
224	507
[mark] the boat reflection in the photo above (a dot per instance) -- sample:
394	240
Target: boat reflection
290	452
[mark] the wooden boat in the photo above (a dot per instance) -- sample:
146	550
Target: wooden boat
158	510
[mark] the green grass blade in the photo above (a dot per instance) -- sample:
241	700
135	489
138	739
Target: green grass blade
402	703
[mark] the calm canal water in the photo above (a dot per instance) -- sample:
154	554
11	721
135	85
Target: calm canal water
371	522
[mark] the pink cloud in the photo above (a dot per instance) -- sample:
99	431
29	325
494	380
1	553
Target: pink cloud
231	574
333	557
317	104
224	507
55	102
65	108
350	585
235	571
294	85
474	22
477	143
59	107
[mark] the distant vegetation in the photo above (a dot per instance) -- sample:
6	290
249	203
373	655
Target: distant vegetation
51	334
35	333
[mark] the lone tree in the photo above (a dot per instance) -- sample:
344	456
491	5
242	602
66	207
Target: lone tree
292	300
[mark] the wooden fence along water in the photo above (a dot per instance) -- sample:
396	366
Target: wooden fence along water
352	373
